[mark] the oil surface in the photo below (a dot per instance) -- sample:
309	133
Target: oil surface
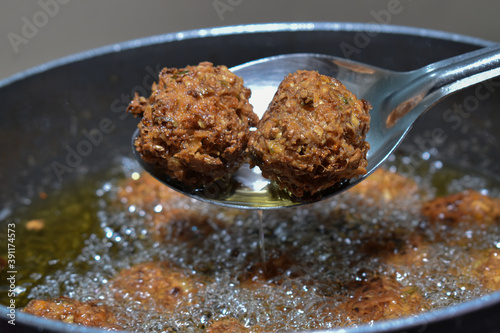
316	255
50	233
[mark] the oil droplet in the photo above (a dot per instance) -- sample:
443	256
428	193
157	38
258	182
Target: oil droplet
262	246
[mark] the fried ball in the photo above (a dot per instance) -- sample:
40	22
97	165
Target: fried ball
168	215
153	286
468	207
71	311
228	325
146	192
182	225
397	247
385	186
196	123
273	271
488	269
382	297
312	136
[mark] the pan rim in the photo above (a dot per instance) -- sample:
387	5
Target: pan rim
242	29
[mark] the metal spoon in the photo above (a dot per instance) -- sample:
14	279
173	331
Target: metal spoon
398	100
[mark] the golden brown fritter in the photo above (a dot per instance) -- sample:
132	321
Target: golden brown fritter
488	268
182	225
354	282
175	221
171	216
273	271
146	192
382	297
312	135
469	207
397	247
71	311
153	286
415	251
386	186
227	325
195	124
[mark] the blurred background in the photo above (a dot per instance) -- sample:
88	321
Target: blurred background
37	31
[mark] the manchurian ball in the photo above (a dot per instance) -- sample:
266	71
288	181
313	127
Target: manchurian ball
312	136
195	125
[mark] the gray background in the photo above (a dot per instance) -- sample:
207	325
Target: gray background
37	31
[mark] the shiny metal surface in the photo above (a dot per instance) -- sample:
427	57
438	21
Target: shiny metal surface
398	100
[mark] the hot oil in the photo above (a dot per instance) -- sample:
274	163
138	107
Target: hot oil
262	240
50	233
295	269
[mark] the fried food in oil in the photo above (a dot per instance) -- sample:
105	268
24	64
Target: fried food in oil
153	285
182	225
195	124
414	252
227	325
176	221
312	135
284	283
273	269
147	192
71	311
468	207
488	268
381	297
385	186
397	247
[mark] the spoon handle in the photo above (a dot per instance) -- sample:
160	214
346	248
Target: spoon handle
462	71
420	89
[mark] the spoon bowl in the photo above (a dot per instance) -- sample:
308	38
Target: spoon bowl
398	100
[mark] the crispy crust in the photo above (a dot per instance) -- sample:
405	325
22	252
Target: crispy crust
381	297
488	268
227	325
163	288
153	285
312	136
195	125
384	186
72	311
468	207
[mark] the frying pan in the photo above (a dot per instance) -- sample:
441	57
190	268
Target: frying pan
47	110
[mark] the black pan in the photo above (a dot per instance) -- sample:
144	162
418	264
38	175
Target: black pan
44	110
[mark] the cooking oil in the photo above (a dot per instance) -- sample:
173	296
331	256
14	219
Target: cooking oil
292	269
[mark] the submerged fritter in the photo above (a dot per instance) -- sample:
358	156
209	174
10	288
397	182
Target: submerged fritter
228	325
312	135
72	311
357	261
154	286
195	124
469	207
381	297
488	268
384	186
168	215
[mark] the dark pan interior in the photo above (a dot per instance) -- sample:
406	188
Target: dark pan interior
49	111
